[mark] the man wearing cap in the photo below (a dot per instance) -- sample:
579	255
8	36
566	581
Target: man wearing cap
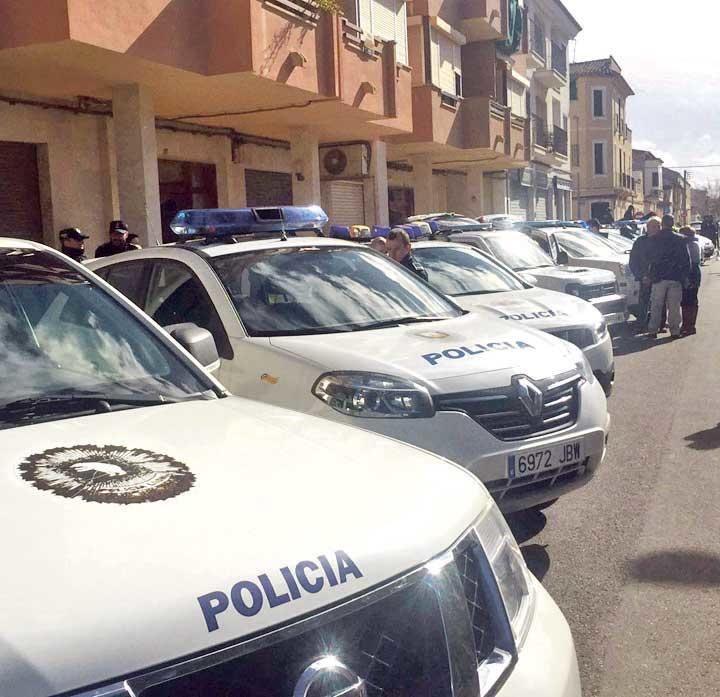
72	243
118	241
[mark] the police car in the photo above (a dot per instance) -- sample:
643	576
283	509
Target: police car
525	257
478	282
577	247
332	328
161	538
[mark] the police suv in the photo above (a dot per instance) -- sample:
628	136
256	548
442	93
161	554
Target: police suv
331	328
161	538
525	257
478	282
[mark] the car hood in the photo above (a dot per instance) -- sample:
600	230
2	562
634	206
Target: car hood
438	353
535	307
92	590
573	274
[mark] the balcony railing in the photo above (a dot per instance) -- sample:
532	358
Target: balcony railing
540	134
537	39
560	141
559	59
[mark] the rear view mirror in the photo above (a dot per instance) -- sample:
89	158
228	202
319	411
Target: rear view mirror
198	342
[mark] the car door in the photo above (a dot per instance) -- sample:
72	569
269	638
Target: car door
129	278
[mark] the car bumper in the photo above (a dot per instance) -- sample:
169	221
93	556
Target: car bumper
612	307
457	437
602	361
547	663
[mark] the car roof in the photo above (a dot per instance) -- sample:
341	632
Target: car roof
17	243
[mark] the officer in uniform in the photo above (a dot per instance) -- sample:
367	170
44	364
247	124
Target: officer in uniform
118	241
72	243
398	249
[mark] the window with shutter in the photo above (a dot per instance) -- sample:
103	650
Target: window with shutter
446	64
386	20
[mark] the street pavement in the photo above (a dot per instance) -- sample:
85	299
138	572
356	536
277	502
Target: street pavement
633	559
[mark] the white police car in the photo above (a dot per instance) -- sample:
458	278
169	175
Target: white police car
161	538
577	247
477	281
332	328
525	257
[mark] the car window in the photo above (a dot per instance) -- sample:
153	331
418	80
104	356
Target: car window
60	334
517	251
456	271
127	277
318	290
176	295
584	246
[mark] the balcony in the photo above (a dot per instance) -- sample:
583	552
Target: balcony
484	20
541	137
537	45
555	76
560	141
491	127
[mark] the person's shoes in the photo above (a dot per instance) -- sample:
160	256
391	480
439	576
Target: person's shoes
676	336
651	335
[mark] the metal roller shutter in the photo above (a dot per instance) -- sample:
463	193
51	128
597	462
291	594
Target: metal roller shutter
20	212
345	203
519	202
541	204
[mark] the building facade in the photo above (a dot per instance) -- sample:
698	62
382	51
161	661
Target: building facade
602	163
648	176
539	87
137	110
677	196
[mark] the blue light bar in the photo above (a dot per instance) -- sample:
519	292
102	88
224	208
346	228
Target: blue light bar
224	222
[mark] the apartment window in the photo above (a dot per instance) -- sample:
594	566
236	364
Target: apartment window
655	180
446	64
573	90
385	20
599	159
518	99
598	103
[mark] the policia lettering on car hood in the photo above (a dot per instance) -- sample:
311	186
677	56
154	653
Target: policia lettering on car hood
107	474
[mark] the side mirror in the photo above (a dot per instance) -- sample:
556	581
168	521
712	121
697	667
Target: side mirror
562	258
198	342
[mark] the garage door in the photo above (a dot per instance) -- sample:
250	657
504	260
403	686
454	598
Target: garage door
268	188
20	213
541	204
345	202
519	202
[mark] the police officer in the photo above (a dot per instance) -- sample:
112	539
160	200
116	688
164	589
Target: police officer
118	240
398	248
72	243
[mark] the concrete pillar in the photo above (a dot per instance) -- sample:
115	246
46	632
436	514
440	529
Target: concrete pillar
379	173
305	162
137	162
474	192
456	195
423	182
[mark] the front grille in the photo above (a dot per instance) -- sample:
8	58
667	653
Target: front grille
483	631
501	412
599	290
582	338
510	489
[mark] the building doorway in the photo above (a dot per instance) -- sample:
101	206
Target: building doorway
600	210
184	185
21	212
401	202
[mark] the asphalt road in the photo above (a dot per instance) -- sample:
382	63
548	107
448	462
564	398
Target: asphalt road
633	559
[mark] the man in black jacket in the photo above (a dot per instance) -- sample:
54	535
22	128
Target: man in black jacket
398	248
669	264
640	267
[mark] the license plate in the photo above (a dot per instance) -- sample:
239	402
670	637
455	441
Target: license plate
545	459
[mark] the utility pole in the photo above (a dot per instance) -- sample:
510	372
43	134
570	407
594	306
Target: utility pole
685	187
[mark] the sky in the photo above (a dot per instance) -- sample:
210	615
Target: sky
670	55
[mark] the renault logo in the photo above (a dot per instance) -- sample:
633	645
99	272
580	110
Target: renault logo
530	396
328	677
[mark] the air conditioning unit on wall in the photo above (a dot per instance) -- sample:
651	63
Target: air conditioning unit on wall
343	161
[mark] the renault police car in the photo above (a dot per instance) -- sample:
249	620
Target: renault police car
478	282
161	538
577	247
525	257
331	328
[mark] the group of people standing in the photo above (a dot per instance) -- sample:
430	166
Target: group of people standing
72	241
667	265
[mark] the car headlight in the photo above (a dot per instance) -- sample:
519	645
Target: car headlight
511	573
573	289
373	395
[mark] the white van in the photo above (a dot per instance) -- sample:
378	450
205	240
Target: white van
161	538
331	328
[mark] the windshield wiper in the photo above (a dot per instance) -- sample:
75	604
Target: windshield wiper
382	324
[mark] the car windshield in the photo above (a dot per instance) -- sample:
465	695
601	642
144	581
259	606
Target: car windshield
320	290
584	246
517	251
66	343
460	271
618	244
